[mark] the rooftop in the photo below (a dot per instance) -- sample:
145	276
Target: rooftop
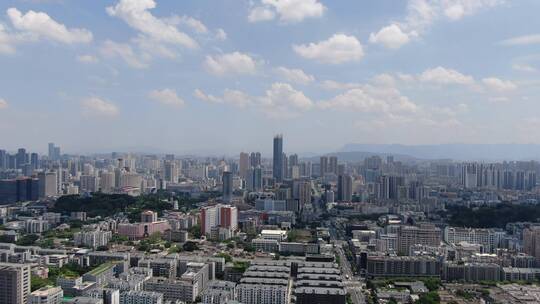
101	268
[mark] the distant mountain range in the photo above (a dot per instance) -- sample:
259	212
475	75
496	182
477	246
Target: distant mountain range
489	152
357	156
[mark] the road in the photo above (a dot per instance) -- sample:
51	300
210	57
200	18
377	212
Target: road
351	282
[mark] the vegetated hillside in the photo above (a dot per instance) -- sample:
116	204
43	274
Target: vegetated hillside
94	205
487	217
453	151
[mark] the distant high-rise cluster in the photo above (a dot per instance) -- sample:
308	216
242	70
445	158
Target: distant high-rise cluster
54	152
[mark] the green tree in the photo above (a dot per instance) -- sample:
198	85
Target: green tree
175	249
155	238
190	246
46	243
432	283
37	282
195	231
431	297
27	240
226	256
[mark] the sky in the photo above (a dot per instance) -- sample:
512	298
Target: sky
222	76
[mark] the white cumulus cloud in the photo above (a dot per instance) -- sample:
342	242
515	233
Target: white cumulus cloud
194	24
289	11
391	37
230	63
339	48
260	13
199	94
136	13
95	106
221	34
444	76
336	85
522	40
167	97
497	84
524	68
457	9
294	75
235	98
421	14
371	99
41	25
124	51
280	101
283	95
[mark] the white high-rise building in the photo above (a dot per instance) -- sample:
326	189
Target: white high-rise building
243	165
93	239
106	181
88	169
14	283
141	297
130	179
224	216
171	171
48	184
89	183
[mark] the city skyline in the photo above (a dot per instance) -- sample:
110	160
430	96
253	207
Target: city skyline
169	77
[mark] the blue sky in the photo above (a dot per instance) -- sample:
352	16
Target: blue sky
218	77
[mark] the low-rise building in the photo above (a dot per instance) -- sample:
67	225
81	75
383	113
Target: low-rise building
47	295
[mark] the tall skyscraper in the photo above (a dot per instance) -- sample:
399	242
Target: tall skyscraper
89	183
54	152
254	179
51	151
228	217
293	160
277	171
169	157
47	184
14	283
227	180
243	165
531	241
285	166
332	165
323	165
345	188
255	159
22	158
171	171
34	160
302	192
57	153
106	181
3	159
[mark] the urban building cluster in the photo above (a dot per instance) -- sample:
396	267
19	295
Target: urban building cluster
141	228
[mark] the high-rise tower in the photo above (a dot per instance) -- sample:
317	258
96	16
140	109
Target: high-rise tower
278	159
